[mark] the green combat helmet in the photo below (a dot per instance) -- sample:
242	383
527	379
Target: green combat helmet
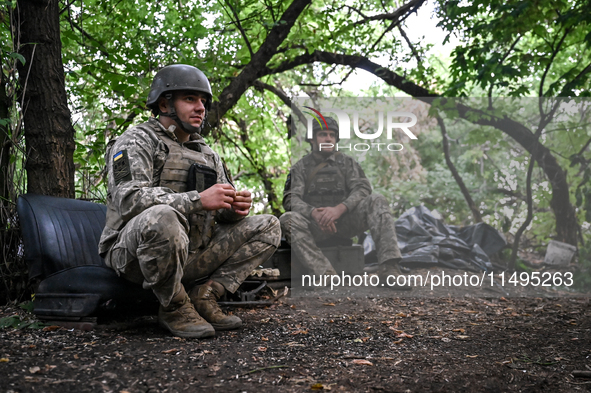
178	77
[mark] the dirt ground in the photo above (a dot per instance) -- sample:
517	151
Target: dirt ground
339	343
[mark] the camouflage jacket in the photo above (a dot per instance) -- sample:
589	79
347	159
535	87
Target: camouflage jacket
356	183
134	163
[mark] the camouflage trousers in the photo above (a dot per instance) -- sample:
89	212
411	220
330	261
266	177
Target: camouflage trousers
371	213
153	250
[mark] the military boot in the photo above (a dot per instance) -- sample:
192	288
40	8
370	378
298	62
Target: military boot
181	319
391	268
205	299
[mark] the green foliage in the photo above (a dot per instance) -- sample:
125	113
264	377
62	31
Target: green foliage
18	321
518	47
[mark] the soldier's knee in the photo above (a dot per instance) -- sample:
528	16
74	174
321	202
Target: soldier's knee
267	228
296	221
379	203
165	223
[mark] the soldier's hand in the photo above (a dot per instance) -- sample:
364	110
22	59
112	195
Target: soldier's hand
330	215
317	214
218	196
242	202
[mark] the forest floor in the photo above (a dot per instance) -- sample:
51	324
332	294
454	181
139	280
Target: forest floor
392	342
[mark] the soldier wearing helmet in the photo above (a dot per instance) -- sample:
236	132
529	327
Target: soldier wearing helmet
327	197
174	217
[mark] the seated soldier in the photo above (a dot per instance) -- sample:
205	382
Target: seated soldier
328	197
173	214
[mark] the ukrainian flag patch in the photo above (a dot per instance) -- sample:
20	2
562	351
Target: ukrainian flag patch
121	170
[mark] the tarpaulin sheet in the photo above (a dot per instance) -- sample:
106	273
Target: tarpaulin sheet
425	240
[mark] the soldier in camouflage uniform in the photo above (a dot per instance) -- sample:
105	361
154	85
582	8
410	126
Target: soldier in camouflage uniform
173	215
328	196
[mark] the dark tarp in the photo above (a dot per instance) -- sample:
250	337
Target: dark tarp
426	241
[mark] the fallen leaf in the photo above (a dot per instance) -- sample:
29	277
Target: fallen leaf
262	349
317	386
171	350
368	328
50	328
398	342
4	360
264	339
300	331
503	299
404	335
402	315
34	370
329	304
292	306
458	330
362	362
472	356
462	337
395	330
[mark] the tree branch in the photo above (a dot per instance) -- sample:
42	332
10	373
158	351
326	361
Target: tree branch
101	48
410	45
572	84
239	25
258	63
554	53
407	8
283	97
507	53
456	175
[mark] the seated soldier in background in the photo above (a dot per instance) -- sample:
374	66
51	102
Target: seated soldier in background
327	196
173	214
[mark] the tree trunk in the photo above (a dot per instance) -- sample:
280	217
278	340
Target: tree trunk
4	147
49	133
567	226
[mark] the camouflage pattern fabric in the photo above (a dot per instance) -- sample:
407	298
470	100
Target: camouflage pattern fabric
357	187
366	210
147	238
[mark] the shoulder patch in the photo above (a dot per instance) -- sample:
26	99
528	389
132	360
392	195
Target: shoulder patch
121	171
